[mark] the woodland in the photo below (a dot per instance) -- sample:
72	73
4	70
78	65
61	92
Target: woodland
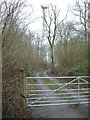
24	52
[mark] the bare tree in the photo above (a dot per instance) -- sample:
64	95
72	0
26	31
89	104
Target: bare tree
51	25
14	53
81	10
70	51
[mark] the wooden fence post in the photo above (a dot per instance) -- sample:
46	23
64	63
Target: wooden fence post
23	90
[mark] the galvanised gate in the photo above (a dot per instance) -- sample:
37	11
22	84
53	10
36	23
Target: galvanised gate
42	93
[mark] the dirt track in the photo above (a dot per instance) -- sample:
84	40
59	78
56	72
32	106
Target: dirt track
62	111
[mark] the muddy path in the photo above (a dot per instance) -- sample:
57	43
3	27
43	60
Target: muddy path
62	111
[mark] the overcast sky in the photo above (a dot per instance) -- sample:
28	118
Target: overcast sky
63	5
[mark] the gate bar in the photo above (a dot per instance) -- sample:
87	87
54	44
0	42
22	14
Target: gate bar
41	105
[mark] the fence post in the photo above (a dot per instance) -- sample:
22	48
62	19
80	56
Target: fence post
23	100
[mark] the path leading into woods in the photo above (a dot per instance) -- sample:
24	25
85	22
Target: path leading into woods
62	111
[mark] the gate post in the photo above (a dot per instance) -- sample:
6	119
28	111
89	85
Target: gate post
23	100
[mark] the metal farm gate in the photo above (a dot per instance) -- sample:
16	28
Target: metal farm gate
43	91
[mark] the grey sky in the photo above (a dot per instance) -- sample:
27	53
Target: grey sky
63	5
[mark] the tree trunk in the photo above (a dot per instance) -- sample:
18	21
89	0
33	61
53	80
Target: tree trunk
85	21
85	34
52	59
